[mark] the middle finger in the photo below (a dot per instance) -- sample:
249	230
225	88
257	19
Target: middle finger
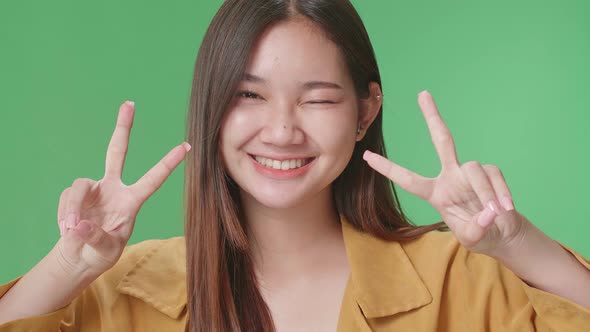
119	143
439	132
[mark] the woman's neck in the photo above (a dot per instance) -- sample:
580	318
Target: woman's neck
288	242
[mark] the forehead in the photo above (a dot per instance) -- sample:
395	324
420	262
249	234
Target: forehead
296	50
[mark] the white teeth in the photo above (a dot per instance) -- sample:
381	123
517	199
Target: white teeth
285	165
282	165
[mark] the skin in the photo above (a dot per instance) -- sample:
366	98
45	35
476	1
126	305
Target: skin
295	218
298	248
95	220
297	243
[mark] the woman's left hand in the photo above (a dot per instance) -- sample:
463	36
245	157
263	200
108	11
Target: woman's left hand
473	199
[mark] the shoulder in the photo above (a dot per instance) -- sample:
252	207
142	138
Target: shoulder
146	252
432	246
437	251
433	256
132	253
455	275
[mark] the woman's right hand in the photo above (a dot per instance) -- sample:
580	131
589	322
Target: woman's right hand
96	218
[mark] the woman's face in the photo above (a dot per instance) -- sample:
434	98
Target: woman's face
291	128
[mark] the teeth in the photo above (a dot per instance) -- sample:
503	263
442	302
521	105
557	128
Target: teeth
282	165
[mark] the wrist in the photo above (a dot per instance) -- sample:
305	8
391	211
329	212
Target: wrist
60	267
515	244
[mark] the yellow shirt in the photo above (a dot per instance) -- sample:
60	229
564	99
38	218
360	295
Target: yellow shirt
429	284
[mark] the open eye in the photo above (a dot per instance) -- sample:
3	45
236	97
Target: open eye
248	95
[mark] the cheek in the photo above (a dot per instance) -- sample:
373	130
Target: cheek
236	129
334	131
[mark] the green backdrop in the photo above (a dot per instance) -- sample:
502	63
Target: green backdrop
510	78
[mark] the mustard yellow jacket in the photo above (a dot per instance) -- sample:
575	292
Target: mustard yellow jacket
429	284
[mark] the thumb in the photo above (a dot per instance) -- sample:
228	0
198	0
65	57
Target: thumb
94	236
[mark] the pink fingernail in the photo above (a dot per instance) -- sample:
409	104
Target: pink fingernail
486	218
186	146
492	205
507	203
130	102
366	154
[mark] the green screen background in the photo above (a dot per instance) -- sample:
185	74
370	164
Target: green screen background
511	81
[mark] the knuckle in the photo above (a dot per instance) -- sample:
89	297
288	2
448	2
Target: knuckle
117	148
443	138
79	182
493	169
471	165
166	167
149	179
409	178
64	193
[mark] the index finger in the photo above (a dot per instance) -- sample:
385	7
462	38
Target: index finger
439	132
155	177
117	149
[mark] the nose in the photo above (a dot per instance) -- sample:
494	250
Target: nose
281	128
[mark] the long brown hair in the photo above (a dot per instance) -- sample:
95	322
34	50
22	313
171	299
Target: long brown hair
222	289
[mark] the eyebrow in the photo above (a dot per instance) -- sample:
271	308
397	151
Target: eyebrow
306	86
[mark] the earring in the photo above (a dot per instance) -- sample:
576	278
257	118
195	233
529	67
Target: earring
378	97
358	131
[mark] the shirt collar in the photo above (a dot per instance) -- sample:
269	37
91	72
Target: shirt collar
159	278
383	279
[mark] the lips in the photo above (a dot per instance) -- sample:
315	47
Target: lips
282	164
281	169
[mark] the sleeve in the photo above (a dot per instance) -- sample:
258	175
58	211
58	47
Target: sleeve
497	298
95	305
556	312
54	321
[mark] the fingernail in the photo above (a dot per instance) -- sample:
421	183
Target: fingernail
507	203
186	146
492	205
130	102
71	220
366	154
486	218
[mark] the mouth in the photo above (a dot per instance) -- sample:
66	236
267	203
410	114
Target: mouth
285	164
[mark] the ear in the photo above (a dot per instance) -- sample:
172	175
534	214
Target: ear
369	108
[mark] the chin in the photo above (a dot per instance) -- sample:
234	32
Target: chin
278	199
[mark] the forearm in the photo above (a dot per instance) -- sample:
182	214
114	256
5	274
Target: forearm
44	289
542	263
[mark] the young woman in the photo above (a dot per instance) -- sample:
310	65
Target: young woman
289	225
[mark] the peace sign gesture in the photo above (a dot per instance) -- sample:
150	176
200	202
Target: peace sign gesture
96	218
473	199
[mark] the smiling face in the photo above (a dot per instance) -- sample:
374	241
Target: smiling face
291	128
